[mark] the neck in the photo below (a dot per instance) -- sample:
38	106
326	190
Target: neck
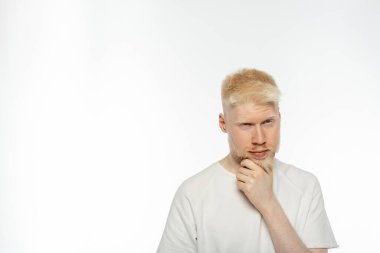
229	164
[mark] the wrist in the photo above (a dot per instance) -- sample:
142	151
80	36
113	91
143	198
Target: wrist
270	207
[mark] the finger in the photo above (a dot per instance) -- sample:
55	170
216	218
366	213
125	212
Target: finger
247	172
241	177
244	171
240	185
265	170
252	165
249	164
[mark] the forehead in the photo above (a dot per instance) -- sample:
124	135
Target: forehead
251	111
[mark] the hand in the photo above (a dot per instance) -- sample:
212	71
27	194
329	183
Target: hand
256	184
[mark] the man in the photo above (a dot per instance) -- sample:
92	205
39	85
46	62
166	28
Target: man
249	201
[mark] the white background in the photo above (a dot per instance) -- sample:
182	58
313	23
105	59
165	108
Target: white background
107	106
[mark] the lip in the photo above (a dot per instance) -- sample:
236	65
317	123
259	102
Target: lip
259	155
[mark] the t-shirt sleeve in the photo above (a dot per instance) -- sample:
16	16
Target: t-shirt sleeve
317	232
180	231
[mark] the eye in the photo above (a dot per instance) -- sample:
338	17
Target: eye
268	122
245	125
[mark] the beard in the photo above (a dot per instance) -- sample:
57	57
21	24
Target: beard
266	164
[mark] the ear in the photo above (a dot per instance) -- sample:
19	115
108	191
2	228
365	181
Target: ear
222	123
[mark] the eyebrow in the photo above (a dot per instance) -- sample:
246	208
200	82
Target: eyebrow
269	118
272	117
265	119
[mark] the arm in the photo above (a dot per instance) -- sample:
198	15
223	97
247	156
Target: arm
179	234
256	184
284	238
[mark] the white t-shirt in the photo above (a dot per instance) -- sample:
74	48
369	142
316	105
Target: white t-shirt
209	214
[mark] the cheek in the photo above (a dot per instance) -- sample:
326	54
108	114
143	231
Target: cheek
274	138
239	138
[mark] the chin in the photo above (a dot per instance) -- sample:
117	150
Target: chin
266	164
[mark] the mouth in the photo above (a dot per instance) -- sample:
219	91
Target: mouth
260	154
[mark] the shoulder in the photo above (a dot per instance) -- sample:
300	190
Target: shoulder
196	185
299	178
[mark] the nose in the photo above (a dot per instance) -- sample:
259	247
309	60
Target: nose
258	136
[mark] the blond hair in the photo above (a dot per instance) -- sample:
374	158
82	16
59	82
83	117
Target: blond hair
249	85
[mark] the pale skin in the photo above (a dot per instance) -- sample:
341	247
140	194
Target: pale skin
252	128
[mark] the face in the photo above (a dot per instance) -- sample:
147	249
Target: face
253	132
